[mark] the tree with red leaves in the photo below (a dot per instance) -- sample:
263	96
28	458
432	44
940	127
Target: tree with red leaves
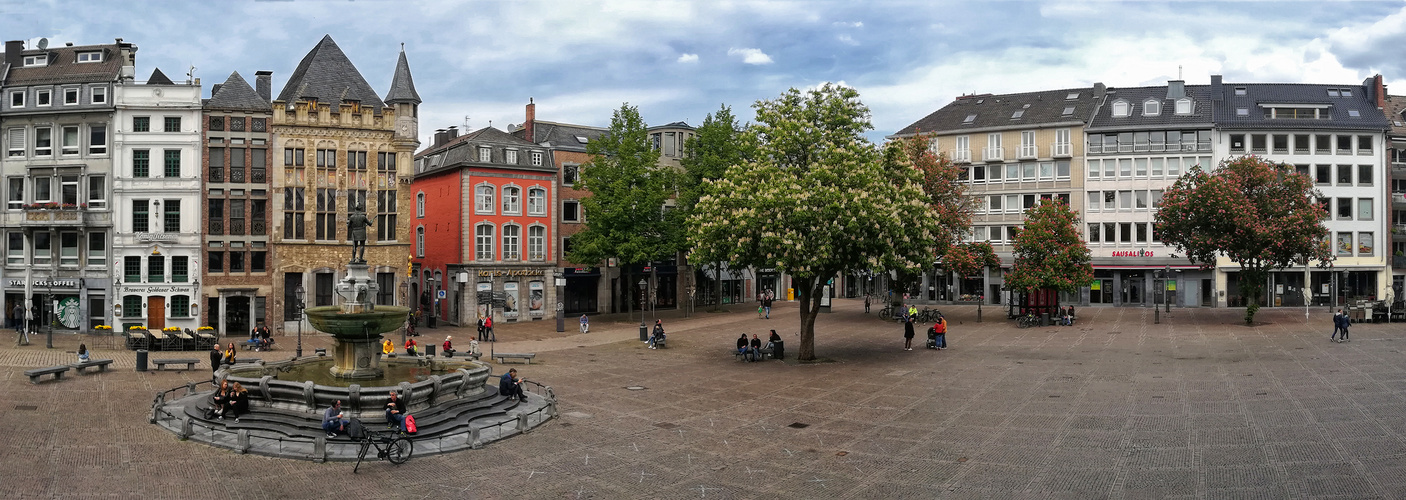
1259	214
1049	252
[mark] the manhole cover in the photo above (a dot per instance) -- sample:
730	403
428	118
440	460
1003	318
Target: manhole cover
1158	397
666	425
798	425
635	387
1054	395
26	408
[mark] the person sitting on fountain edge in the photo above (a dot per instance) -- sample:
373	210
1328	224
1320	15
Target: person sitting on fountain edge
387	347
511	385
395	411
410	346
332	419
448	347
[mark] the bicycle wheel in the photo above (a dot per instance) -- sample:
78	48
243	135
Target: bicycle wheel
400	450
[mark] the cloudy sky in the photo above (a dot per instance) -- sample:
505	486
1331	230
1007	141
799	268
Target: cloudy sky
480	60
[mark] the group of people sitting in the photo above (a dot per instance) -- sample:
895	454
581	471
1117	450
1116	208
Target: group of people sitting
334	422
752	350
657	336
260	338
1066	316
229	401
412	348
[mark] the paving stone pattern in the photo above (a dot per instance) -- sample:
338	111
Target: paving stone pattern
1116	407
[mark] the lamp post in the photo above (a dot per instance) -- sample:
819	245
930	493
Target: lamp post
404	295
1166	286
644	334
300	294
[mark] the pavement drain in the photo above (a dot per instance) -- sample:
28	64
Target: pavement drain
635	387
1261	393
798	425
26	408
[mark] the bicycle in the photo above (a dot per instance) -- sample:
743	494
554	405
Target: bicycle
389	446
1027	321
886	312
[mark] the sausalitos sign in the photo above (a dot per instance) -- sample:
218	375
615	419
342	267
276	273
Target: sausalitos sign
1131	253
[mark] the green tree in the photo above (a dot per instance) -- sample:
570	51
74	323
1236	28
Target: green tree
945	188
1259	214
968	259
716	145
625	212
1049	253
816	201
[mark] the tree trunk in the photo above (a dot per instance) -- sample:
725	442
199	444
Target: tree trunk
718	284
807	290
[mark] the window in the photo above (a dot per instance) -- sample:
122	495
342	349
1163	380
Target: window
217	165
537	243
386	214
180	269
512	201
43	98
322	289
511	245
1046	170
1012	203
172	163
536	201
14	248
1125	200
141	216
294	204
1323	174
215	261
1344	145
236	124
294	157
1344	208
1140	167
1366	244
236	261
258	262
1183	106
1027	144
1125	232
180	306
90	57
15	201
420	205
68	249
419	241
1095	201
571	211
1125	167
97	139
141	123
1364	209
173	124
141	163
1352	113
536	159
1151	107
68	140
43	248
326	216
17	99
98	96
1364	144
70	96
485	155
1344	175
993	204
970	119
483	242
483	199
1062	145
258	124
510	156
132	269
1121	108
327	158
570	174
1140	200
43	189
97	248
963	152
17	144
1017	114
172	220
1364	175
97	192
1068	110
43	141
68	190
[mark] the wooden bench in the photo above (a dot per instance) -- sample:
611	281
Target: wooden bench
161	363
56	371
101	364
523	356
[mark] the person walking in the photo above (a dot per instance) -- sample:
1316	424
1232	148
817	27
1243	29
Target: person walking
766	303
481	335
488	329
1347	323
585	324
1337	326
908	333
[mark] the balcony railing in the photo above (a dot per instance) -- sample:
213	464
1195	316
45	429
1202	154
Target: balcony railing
1398	197
259	175
258	228
1058	150
236	175
236	227
217	174
217	226
989	154
1028	151
962	156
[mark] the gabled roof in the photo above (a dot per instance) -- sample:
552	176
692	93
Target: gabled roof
462	151
1396	113
63	66
562	136
402	85
325	74
1258	96
676	125
1137	98
997	111
158	78
236	94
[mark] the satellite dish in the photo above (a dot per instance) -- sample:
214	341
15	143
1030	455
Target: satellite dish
43	43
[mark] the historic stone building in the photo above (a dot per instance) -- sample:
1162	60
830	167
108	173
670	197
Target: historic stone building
57	117
236	281
341	148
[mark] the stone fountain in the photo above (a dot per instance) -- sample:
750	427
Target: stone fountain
357	325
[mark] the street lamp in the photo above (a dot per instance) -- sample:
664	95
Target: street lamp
300	294
644	334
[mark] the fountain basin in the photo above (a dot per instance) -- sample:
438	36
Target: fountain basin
436	381
356	325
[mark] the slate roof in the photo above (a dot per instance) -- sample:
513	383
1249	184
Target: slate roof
1201	109
158	78
995	111
1396	113
325	74
1362	101
462	151
236	94
562	136
402	84
675	125
64	68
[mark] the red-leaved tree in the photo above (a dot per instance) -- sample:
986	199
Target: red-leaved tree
1049	252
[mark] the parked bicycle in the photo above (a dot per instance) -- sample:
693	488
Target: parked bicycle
389	445
1027	321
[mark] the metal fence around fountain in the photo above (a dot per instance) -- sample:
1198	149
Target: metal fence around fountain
320	449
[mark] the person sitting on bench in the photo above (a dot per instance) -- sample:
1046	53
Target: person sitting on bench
772	340
332	419
82	353
657	335
510	385
756	348
410	346
236	403
448	347
395	411
742	346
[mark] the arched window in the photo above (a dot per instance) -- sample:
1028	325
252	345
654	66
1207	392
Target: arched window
420	204
536	201
483	198
483	242
1183	106
512	200
1120	108
512	249
1151	107
420	241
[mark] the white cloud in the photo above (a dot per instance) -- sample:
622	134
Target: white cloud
846	39
750	56
856	24
688	58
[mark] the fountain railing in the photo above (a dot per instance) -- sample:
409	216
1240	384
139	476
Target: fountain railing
460	379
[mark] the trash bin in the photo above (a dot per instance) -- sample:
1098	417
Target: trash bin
644	332
429	350
778	349
141	360
1044	319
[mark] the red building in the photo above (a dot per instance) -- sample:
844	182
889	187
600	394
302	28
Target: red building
484	227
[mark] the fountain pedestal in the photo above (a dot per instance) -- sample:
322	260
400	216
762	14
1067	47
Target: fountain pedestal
357	325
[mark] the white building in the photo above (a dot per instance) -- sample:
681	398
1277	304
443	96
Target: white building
157	160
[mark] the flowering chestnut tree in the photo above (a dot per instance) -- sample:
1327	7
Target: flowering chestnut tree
1259	214
968	259
815	201
1049	252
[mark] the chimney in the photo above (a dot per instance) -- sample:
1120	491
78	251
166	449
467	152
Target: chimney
14	53
1176	89
530	125
439	137
451	133
214	89
264	84
1217	91
1380	88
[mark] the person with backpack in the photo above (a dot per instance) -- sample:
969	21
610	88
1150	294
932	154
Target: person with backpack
395	411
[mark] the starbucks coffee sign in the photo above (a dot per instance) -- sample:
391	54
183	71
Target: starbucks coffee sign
47	283
68	314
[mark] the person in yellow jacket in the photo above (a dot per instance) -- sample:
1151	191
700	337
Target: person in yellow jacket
387	347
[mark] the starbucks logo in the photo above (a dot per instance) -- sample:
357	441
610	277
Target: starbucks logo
68	312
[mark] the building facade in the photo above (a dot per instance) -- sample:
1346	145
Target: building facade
341	148
236	282
57	117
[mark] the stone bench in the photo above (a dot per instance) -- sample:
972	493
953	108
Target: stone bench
246	360
161	363
502	356
56	371
101	364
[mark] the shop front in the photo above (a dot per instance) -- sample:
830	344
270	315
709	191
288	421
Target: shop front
1178	285
158	306
511	294
57	304
582	290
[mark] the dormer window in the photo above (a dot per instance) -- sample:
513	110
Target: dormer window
1242	111
485	155
1346	92
1333	93
970	119
90	57
39	60
582	139
1353	113
1240	91
1151	107
1121	108
1183	106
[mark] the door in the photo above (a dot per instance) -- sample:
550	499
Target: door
1192	296
155	313
237	316
1132	292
